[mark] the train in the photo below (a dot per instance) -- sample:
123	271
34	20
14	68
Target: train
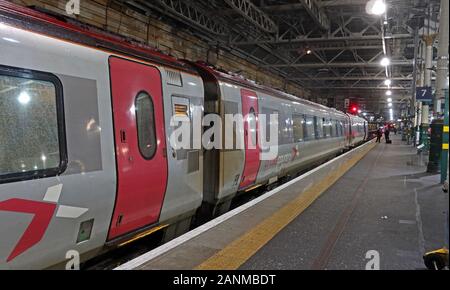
86	161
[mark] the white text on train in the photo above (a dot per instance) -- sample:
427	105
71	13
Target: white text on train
188	133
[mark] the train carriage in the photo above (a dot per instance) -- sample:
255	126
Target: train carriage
84	146
307	133
358	130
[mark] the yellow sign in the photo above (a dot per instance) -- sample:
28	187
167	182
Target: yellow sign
445	129
445	146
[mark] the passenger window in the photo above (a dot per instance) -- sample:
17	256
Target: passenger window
145	122
318	127
31	137
310	128
298	127
326	128
252	126
333	128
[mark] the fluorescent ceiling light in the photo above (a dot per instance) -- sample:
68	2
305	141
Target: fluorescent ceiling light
376	7
385	61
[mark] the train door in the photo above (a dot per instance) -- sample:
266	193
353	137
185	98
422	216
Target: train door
252	161
140	145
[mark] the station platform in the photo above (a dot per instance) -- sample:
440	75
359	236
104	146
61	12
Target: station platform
376	197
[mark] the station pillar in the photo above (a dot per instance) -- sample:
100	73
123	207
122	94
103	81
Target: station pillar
429	40
424	126
442	59
445	140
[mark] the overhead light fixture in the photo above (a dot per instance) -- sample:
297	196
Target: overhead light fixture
385	22
385	61
308	51
389	100
389	104
376	7
388	93
387	82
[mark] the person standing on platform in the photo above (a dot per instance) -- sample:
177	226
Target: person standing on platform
379	134
386	134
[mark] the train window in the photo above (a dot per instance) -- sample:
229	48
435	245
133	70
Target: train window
318	127
326	128
32	135
145	122
333	128
310	131
267	112
298	127
252	126
336	128
285	129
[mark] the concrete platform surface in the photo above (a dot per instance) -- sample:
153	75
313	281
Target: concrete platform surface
385	203
375	203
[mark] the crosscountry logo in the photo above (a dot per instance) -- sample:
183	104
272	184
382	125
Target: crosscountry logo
42	215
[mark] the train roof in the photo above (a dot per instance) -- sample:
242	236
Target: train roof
241	81
355	117
69	29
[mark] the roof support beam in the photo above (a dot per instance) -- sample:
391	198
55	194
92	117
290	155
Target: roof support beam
330	3
334	47
253	14
354	78
341	64
361	88
185	11
316	13
302	39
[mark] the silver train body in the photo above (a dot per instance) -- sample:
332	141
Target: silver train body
65	163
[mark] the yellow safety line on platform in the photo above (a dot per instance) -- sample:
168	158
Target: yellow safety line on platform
240	250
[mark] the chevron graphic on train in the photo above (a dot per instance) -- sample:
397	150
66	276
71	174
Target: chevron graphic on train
42	212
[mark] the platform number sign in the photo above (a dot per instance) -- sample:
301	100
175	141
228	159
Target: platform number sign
424	94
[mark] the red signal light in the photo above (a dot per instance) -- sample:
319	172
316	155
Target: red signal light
354	109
